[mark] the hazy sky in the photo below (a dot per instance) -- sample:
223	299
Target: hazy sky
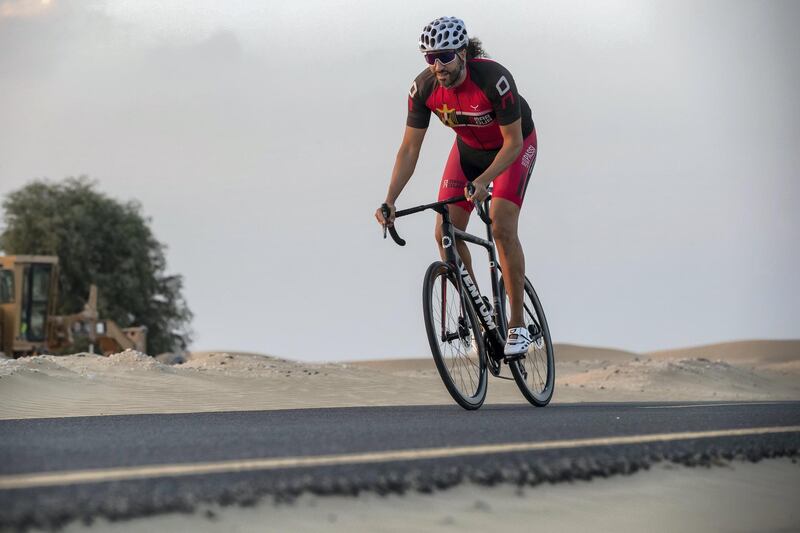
260	136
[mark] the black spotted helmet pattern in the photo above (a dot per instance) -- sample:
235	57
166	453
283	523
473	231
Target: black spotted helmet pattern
444	33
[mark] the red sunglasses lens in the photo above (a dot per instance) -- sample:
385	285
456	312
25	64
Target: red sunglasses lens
444	57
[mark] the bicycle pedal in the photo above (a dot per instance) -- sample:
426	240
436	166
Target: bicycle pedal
511	358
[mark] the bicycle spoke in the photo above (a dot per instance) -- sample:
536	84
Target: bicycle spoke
453	333
467	363
535	360
534	373
531	314
444	304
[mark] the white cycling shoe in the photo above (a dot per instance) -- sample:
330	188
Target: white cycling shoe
517	342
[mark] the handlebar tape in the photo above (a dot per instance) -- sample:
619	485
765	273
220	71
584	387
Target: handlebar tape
392	231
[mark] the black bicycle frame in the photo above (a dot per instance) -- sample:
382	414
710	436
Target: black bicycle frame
466	285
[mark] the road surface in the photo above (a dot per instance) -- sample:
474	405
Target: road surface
56	470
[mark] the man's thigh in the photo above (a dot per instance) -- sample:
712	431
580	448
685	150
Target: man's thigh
453	183
513	182
505	215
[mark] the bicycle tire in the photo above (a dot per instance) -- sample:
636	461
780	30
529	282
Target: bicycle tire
539	389
451	346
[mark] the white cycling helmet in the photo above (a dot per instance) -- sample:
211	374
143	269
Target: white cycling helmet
444	33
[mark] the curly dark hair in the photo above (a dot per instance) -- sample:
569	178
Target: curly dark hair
475	49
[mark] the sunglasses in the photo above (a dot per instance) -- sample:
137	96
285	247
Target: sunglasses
444	58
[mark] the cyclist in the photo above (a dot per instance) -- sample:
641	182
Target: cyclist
495	143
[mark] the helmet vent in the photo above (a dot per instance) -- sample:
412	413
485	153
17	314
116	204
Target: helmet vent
443	33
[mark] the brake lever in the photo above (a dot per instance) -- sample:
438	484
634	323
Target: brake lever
479	206
385	211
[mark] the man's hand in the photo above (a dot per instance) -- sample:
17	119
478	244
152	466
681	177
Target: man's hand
480	193
384	221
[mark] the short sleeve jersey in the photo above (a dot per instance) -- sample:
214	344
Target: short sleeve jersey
475	109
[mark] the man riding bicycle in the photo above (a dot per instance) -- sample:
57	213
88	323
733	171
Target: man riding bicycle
495	143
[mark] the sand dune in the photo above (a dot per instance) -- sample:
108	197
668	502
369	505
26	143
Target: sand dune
575	352
565	353
753	351
130	382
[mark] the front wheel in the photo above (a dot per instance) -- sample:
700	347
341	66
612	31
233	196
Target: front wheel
455	336
535	373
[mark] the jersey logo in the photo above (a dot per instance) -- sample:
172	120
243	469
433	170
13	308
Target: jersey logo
447	116
481	120
413	91
502	85
529	156
503	89
475	107
453	118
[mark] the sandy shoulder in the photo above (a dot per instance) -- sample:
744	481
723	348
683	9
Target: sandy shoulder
130	382
668	498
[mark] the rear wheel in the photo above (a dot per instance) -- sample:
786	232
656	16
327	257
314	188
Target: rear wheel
536	372
455	337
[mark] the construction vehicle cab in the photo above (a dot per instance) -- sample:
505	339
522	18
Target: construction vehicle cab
28	293
29	326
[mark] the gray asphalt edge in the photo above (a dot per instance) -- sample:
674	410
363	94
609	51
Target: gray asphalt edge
54	507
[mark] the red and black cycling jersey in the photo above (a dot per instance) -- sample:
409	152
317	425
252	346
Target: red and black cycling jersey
475	109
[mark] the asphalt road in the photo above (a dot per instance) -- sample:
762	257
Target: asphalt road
56	470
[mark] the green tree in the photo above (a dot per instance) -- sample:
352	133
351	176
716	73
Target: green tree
99	240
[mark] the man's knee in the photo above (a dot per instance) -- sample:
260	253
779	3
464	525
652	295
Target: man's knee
505	215
504	233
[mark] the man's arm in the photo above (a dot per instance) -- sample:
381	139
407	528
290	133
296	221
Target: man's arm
404	166
512	146
406	162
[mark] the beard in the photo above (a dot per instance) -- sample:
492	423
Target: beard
452	78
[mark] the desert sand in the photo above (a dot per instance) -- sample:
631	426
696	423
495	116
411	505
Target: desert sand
131	382
739	497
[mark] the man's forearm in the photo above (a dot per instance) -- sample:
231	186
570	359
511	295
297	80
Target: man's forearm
507	155
404	167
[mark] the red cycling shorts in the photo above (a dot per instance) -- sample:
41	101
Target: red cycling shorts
465	164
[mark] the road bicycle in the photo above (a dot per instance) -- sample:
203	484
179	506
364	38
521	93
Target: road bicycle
466	331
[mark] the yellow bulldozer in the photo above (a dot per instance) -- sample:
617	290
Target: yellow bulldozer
29	325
